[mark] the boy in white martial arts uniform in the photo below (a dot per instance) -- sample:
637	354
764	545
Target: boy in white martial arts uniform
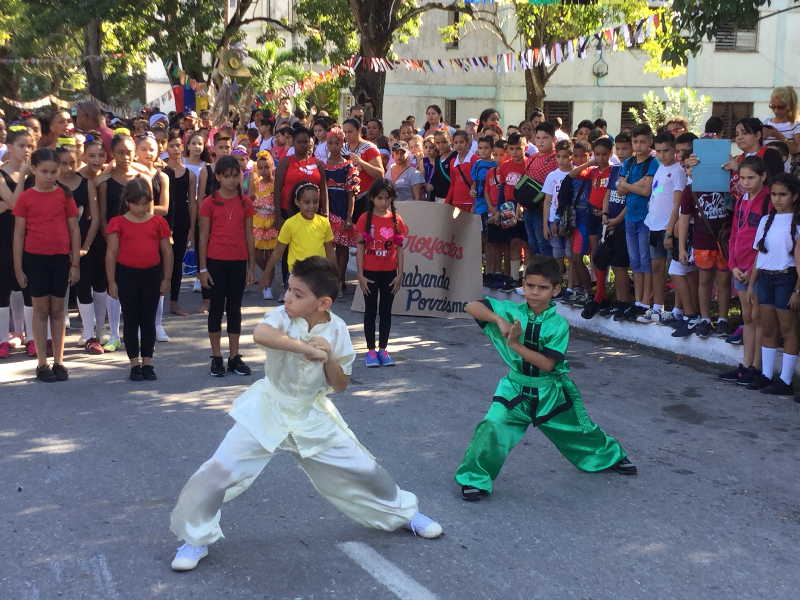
309	353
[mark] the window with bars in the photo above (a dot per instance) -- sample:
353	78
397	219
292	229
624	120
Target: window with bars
449	111
730	38
562	110
730	112
627	122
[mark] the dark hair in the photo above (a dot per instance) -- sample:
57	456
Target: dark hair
205	155
641	129
134	190
437	109
586	123
514	139
321	277
484	116
547	267
781	147
755	164
623	137
536	112
687	137
601	123
381	185
792	184
285	130
297	192
714	125
43	155
500	144
382	142
175	134
486	140
300	113
546	127
378	121
595	134
580	144
564	145
395	133
118	139
605	142
665	138
223	166
462	134
353	122
752	125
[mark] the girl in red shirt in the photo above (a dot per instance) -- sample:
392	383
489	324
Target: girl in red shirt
46	255
380	266
227	261
365	156
139	270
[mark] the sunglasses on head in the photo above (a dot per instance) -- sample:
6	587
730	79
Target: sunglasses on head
779	106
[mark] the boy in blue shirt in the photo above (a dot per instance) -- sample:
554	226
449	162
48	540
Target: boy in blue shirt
635	181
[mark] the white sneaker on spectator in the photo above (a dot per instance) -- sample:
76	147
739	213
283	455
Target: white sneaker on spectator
161	335
649	317
267	294
187	557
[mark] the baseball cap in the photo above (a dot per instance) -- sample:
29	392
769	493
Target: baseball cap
400	145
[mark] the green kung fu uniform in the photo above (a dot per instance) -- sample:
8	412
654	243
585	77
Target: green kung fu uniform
547	400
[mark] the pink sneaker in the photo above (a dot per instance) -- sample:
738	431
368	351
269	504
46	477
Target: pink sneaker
30	348
5	350
372	360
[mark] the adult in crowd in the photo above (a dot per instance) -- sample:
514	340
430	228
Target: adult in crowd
365	156
434	121
783	125
406	177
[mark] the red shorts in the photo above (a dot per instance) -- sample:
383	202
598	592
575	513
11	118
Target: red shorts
708	260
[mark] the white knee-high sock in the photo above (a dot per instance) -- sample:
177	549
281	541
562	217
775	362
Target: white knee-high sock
27	312
66	309
515	264
114	313
160	311
18	311
87	318
768	361
5	321
787	367
100	308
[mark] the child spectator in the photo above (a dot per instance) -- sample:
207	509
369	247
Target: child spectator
562	248
289	410
266	220
441	171
614	223
537	168
509	173
139	264
381	233
497	236
774	282
480	167
532	339
635	181
459	193
668	184
750	207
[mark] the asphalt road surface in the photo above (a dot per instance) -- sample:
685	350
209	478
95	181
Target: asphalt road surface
90	470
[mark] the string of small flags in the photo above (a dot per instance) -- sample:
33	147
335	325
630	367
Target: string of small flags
41	60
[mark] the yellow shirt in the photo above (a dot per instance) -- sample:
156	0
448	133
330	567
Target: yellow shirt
305	237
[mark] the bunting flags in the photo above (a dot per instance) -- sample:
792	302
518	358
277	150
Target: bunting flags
59	59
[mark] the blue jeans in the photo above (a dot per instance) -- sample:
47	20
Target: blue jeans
637	236
534	229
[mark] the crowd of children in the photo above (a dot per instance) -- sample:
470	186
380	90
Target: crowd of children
618	214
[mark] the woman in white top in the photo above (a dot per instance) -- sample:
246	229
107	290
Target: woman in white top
405	176
783	126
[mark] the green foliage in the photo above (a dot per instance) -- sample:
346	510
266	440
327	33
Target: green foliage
271	68
683	102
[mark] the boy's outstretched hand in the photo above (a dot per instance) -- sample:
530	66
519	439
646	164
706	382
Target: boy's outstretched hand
513	334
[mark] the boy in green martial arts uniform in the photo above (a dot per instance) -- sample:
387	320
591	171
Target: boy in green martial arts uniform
532	340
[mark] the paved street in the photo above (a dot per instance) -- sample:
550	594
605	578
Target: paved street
90	470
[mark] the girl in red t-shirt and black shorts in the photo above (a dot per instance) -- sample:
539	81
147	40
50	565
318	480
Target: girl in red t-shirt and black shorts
139	270
46	257
381	232
226	260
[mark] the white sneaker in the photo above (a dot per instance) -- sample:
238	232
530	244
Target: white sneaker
649	317
161	335
424	526
187	557
197	286
267	294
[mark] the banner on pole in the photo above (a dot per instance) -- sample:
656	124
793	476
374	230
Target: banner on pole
442	255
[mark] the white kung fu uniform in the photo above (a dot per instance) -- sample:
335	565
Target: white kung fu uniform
289	410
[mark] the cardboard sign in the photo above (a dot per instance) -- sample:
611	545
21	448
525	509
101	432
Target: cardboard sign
442	270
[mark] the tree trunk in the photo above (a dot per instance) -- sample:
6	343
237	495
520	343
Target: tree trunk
368	91
93	43
374	24
534	89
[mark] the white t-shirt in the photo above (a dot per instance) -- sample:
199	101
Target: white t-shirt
266	144
561	135
789	130
531	149
779	243
666	182
321	151
551	185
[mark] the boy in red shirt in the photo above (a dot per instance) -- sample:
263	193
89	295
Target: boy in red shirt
459	194
538	167
497	238
510	172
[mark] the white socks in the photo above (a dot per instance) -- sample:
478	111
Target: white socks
114	313
160	311
27	311
87	318
5	321
768	361
100	309
678	312
18	312
787	367
658	307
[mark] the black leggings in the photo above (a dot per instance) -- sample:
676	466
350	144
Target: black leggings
180	237
382	285
8	284
139	291
93	275
204	292
229	278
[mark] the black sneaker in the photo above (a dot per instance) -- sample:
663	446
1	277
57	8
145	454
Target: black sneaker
722	328
618	313
217	368
778	387
236	365
149	373
590	309
472	494
625	467
748	376
703	328
136	373
607	309
60	371
759	382
733	376
45	374
686	328
633	312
